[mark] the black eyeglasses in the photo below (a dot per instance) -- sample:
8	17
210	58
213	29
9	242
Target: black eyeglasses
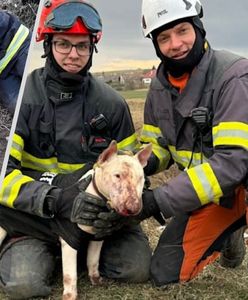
65	47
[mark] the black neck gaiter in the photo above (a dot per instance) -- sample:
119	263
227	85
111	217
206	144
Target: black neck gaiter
177	67
56	73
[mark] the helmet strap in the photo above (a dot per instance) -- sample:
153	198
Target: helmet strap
47	45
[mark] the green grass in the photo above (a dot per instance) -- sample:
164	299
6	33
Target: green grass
134	94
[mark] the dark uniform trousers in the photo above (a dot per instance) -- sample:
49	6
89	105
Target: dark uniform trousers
192	241
28	264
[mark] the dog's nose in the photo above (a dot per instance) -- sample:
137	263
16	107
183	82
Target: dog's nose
132	211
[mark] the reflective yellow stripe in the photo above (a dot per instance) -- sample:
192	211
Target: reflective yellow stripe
130	143
14	46
205	183
12	184
183	157
68	168
163	155
150	134
39	164
152	129
231	133
48	164
17	147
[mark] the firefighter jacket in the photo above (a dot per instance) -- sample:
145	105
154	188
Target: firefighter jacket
60	128
214	160
14	44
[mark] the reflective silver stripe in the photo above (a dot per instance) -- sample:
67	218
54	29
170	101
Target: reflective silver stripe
183	157
150	132
40	164
14	46
11	186
231	133
16	150
205	183
130	143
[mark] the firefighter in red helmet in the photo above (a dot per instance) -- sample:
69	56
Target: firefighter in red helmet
67	118
74	18
67	17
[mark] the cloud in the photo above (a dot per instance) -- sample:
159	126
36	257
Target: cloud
224	21
123	45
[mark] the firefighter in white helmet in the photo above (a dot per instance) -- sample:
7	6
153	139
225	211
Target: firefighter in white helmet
196	105
196	115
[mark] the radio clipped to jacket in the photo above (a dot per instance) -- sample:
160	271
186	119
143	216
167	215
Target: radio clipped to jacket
96	138
99	123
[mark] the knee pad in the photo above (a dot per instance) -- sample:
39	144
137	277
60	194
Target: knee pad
26	266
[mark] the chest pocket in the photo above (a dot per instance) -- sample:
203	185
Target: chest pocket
46	139
41	142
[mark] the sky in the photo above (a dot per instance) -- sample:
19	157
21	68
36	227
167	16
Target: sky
123	45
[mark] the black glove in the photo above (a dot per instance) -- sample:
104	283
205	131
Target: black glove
86	208
150	209
109	222
59	180
93	211
59	202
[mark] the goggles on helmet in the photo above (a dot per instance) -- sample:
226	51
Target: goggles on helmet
64	16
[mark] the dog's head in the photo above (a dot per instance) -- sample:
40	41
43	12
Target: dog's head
121	178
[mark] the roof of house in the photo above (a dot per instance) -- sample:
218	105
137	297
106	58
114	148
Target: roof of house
150	74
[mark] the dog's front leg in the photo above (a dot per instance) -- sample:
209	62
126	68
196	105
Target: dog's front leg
93	257
69	266
3	234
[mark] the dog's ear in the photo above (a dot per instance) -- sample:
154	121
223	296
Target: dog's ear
144	154
108	153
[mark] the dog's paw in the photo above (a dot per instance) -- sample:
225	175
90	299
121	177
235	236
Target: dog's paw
96	280
69	296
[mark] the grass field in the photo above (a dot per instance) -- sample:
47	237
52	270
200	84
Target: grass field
134	94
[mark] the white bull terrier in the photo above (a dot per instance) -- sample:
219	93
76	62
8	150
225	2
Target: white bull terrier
120	178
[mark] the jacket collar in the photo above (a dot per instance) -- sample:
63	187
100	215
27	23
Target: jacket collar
191	95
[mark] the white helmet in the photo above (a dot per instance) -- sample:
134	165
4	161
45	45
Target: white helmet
156	13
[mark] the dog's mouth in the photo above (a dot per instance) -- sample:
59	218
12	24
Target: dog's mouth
125	212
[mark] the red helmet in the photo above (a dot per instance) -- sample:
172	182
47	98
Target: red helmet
70	17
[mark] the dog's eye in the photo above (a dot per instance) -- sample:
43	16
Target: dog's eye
118	176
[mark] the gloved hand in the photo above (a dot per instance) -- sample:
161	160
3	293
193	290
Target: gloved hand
59	180
150	209
86	208
107	223
59	202
66	180
110	221
93	211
